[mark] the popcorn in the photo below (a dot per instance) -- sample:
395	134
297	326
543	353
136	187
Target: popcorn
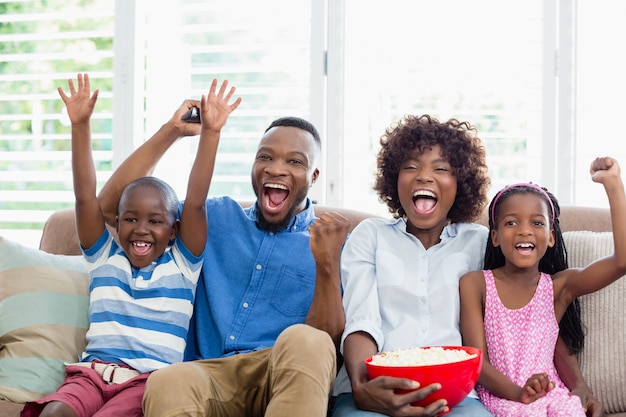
420	356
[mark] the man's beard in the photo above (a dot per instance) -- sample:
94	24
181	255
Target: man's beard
263	224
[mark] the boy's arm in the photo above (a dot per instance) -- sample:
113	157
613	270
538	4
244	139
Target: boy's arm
80	105
143	160
214	111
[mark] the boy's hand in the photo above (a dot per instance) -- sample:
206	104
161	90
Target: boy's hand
79	103
214	108
603	169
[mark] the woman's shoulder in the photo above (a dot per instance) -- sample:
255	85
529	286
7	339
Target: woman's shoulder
470	230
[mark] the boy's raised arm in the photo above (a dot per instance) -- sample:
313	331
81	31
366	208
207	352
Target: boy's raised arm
143	160
80	105
214	111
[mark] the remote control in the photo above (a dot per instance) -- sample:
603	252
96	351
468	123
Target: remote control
193	115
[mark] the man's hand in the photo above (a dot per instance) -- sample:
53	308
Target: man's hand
328	234
185	128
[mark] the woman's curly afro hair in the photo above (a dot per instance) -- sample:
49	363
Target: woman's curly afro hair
459	145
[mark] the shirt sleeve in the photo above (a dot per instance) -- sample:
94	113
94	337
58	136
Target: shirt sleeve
358	278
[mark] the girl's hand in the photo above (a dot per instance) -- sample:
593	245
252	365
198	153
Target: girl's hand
603	169
214	108
79	103
536	387
593	407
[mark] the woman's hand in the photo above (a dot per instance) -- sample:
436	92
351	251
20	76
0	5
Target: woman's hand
382	395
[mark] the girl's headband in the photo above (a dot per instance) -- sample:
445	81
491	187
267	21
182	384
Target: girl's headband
520	184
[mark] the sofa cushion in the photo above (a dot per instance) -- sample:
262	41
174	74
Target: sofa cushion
604	317
43	319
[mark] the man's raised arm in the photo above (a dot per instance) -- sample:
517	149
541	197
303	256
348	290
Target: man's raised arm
144	159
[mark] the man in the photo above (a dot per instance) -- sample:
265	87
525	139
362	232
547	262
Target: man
268	311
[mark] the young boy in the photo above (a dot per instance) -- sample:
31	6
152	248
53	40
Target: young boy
142	285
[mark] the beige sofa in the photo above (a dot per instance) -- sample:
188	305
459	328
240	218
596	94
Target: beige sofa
587	238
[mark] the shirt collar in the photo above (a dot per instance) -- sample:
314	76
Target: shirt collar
300	222
448	232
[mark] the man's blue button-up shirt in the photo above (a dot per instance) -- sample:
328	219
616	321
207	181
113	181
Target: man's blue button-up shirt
254	283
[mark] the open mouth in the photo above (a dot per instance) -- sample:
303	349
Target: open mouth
424	201
525	248
141	248
275	196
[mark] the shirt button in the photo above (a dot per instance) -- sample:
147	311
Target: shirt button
258	267
245	305
231	337
271	233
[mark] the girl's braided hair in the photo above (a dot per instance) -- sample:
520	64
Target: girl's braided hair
554	260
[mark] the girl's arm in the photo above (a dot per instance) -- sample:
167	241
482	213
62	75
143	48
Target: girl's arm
574	282
80	104
472	291
569	370
214	112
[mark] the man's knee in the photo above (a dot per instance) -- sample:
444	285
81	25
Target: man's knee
306	338
161	392
305	347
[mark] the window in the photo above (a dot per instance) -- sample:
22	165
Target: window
537	78
600	92
42	44
478	61
268	57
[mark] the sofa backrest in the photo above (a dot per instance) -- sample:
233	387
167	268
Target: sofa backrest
59	232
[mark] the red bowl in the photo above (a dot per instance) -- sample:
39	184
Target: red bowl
456	378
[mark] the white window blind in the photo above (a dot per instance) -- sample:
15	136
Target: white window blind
41	46
533	76
262	48
479	61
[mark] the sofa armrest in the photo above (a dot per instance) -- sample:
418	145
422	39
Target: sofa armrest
59	234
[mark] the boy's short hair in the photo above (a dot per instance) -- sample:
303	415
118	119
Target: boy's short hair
167	192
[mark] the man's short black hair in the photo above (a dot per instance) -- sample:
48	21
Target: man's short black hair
292	121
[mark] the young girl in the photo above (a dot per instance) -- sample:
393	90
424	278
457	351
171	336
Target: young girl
511	310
